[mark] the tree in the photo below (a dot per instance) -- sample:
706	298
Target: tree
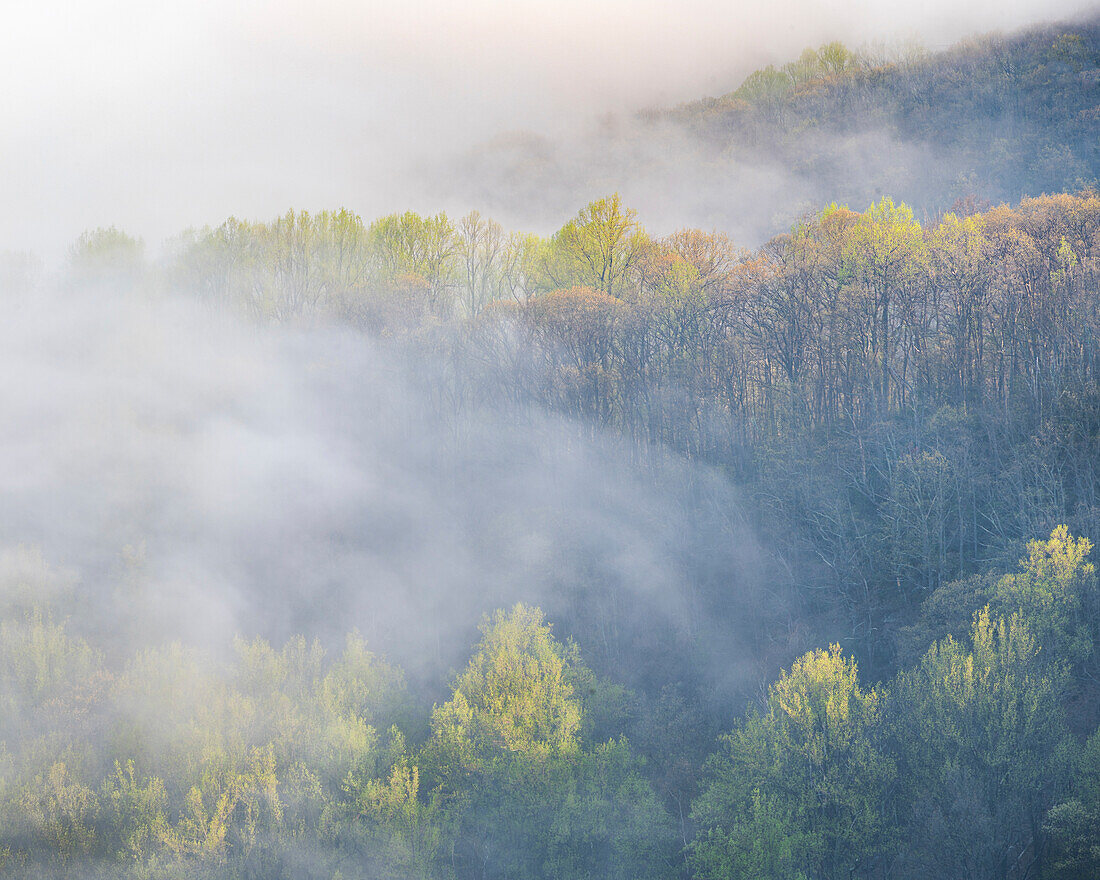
522	796
408	244
577	330
887	250
1074	824
798	790
1055	591
595	249
107	257
482	247
981	745
959	262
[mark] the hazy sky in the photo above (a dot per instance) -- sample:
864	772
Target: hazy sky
154	116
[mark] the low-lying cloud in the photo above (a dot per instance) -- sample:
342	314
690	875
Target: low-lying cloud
199	477
155	117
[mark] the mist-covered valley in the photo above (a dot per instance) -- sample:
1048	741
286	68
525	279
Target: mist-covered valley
717	500
256	479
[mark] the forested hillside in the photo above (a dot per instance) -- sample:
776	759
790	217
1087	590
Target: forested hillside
417	547
906	404
995	118
904	407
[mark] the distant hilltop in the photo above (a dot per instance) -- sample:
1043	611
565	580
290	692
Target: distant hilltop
993	119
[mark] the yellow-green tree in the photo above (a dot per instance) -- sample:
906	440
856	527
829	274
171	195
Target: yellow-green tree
798	789
981	747
887	252
1055	591
108	257
596	249
520	794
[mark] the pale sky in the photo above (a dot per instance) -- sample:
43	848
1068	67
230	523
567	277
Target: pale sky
155	116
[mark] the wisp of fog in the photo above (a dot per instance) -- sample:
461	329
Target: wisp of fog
201	477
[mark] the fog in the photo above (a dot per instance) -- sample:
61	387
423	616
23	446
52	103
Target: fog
199	477
155	117
280	481
210	443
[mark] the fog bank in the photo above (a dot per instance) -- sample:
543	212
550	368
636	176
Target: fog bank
200	477
155	117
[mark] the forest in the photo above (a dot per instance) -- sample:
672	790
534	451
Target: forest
678	558
992	119
1000	115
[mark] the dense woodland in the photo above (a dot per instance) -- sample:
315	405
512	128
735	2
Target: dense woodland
911	410
992	119
998	116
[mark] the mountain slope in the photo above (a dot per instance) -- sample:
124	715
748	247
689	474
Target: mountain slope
993	119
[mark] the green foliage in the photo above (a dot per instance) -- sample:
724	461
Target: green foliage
981	746
1056	593
904	404
517	689
59	812
216	771
246	769
596	249
1074	824
138	811
302	265
545	804
39	660
106	256
176	766
386	823
798	790
949	611
952	105
409	244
